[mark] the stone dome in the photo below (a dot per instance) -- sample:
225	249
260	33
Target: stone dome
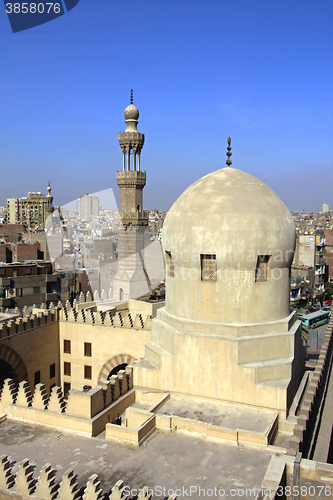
131	112
228	242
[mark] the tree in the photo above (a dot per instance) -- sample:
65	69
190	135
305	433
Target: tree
329	288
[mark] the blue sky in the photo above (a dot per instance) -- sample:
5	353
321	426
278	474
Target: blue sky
258	71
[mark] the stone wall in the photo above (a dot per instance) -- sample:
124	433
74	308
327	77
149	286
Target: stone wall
30	344
85	412
312	404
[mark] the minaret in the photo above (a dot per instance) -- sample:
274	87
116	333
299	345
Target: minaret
131	280
131	181
48	208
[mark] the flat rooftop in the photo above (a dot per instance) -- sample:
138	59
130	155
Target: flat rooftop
170	461
231	417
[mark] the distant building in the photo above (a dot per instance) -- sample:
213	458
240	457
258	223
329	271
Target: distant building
328	256
89	206
325	208
20	252
31	211
28	283
310	249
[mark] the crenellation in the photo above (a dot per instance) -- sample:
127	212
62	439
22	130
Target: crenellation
147	325
57	404
115	389
24	396
89	297
129	377
11	328
81	316
40	399
145	493
24	482
68	488
117	492
99	318
122	382
93	490
20	325
108	394
108	319
46	488
127	321
118	320
72	315
138	324
7	478
9	392
82	298
90	317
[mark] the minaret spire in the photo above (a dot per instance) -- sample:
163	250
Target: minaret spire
229	153
131	141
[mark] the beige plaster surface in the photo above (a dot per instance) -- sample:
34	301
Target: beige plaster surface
167	460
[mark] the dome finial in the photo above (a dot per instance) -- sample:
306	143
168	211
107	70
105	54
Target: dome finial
131	99
229	153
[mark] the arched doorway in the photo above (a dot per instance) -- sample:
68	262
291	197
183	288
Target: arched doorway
11	365
6	371
112	366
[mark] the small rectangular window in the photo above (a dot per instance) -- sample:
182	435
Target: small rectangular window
208	267
19	292
37	378
67	346
67	368
169	264
52	370
87	349
262	267
36	289
87	372
67	388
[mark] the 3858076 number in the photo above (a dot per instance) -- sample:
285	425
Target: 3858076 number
32	8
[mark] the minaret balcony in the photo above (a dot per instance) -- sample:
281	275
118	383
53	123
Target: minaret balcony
131	174
134	217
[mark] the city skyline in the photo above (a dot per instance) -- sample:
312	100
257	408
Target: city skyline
259	73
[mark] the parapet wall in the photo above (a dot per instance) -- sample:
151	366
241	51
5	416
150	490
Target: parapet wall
312	404
28	322
24	485
85	412
104	318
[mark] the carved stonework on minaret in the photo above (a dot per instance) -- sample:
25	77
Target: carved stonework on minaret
131	280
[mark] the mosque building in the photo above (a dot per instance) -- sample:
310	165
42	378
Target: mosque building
216	369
